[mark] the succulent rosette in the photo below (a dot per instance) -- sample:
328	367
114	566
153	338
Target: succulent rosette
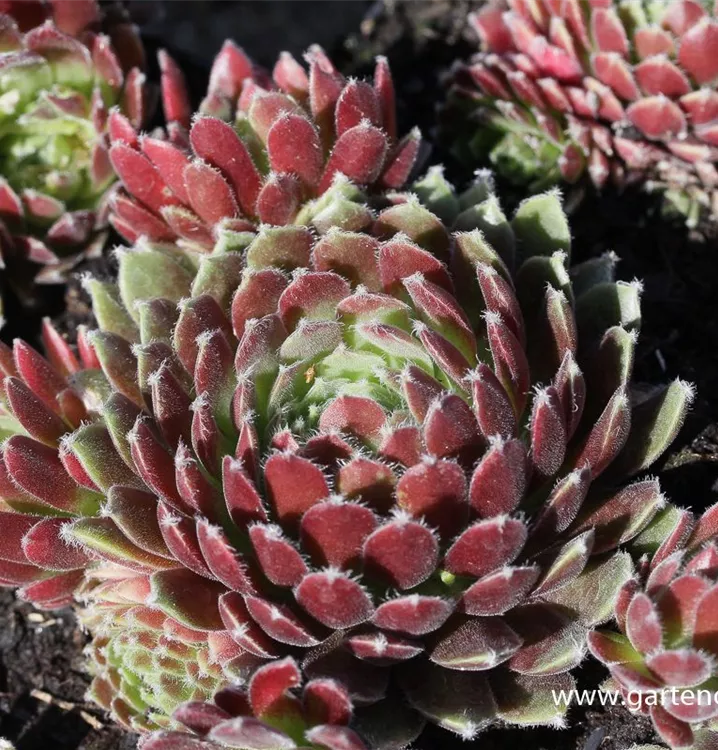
324	481
616	91
261	150
59	78
664	655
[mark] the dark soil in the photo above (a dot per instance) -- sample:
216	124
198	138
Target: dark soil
42	684
41	665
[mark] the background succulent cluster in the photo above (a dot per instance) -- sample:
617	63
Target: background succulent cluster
617	91
346	452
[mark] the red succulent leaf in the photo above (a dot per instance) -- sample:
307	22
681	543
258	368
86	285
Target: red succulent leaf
175	99
614	71
662	574
154	463
489	24
37	469
680	16
180	535
608	435
706	528
290	76
705	560
120	129
229	70
294	147
280	623
359	154
643	624
349	254
279	559
383	648
242	499
334	599
243	629
59	352
312	296
705	631
53	593
257	296
500	591
334	532
402	551
401	160
610	648
18	574
623	515
46	545
142	221
567	564
414	614
200	717
209	194
226	564
677	733
294	485
499	481
451	431
38	419
435	490
171	406
486	546
140	177
677	538
135	513
420	390
278	200
357	103
658	75
682	668
402	445
608	31
170	161
322	74
197	609
698	51
42	379
571	387
548	432
15	527
400	258
353	415
563	504
218	144
492	406
509	358
552	641
326	702
657	117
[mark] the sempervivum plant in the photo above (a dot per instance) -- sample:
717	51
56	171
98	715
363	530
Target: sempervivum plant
298	130
309	499
59	77
621	91
665	654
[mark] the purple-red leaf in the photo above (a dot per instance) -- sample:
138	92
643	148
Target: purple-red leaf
334	599
402	551
414	614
